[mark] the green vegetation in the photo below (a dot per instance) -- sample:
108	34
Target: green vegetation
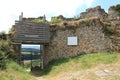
9	70
27	64
55	20
83	67
37	20
109	30
5	49
15	72
78	63
87	61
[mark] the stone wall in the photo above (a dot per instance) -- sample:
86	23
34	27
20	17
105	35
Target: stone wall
91	38
112	13
100	13
96	30
94	12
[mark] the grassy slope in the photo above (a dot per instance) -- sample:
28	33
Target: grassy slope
83	67
76	68
15	72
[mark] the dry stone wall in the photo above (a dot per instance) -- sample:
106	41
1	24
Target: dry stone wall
100	13
94	12
91	38
96	30
112	13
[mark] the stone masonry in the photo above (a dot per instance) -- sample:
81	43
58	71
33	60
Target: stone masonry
91	38
96	30
90	30
94	12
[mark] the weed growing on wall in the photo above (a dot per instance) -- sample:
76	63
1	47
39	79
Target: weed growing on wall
109	30
55	20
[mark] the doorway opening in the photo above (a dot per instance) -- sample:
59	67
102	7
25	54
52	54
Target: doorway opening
31	56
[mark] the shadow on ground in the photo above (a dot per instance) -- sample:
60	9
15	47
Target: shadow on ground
38	72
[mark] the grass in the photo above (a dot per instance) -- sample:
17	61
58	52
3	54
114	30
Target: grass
78	63
79	66
90	60
15	72
26	52
27	63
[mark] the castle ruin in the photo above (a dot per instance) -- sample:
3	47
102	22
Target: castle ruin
96	31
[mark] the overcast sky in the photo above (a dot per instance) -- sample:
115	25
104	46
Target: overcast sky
11	9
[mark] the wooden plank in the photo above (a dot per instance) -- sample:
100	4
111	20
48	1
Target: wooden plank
32	32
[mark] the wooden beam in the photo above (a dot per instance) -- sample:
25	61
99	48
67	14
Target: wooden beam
42	56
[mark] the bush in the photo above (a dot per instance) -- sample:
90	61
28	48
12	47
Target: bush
55	20
3	54
2	60
39	21
109	30
5	50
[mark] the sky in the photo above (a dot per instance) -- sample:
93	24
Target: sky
11	9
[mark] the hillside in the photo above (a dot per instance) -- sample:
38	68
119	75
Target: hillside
15	72
30	50
95	33
104	66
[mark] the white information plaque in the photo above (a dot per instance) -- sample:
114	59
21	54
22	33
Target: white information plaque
72	41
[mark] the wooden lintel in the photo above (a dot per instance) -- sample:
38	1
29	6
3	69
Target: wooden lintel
16	43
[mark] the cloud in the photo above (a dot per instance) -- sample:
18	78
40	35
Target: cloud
11	9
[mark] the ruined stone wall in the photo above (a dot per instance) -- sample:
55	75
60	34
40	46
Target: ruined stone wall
94	12
112	13
91	38
100	13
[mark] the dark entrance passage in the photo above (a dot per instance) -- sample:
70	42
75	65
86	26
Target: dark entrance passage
31	56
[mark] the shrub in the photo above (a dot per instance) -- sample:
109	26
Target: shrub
5	51
39	21
55	20
109	30
2	60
